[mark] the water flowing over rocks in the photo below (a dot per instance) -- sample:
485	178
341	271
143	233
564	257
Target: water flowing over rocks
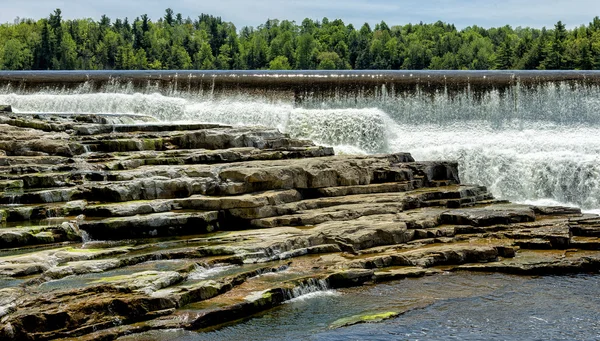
119	225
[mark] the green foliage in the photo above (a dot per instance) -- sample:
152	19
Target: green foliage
208	42
280	63
204	59
15	56
306	52
330	61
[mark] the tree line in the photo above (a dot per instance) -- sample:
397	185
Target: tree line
207	42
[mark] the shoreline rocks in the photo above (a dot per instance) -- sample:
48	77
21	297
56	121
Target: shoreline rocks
112	226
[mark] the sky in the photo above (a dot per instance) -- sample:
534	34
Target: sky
462	13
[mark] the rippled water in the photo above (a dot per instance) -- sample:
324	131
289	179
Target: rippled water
462	307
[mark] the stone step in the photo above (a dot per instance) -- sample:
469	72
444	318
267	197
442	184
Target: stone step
95	129
314	211
367	189
557	211
436	255
36	222
243	154
542	262
228	174
584	243
8	185
255	176
18	169
215	137
44	196
131	208
395	273
42	180
152	225
253	295
22	121
35	235
70	118
46	177
247	206
235	138
130	161
30	212
125	145
492	215
460	203
337	213
585	226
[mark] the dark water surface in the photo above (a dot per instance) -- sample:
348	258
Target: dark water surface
461	307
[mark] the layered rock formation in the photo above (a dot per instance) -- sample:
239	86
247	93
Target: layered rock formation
117	225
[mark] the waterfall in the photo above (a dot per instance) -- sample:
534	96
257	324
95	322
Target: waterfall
308	289
541	161
201	272
527	136
85	238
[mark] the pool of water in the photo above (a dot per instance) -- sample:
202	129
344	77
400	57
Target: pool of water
453	307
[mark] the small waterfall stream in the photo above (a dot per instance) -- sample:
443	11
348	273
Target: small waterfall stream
312	287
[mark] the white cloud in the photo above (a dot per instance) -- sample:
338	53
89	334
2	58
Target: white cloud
536	13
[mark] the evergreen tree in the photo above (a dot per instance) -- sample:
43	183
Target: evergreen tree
169	17
504	56
555	50
305	52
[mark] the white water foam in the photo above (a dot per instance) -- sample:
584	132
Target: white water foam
157	105
360	130
311	289
313	295
560	163
545	202
200	272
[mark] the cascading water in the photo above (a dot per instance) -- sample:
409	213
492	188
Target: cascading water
354	130
529	137
312	287
542	161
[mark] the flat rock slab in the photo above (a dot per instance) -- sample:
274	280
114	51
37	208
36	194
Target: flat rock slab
486	216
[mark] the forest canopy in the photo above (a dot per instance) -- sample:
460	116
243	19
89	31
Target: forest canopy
207	42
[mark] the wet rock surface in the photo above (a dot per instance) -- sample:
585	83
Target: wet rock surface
118	225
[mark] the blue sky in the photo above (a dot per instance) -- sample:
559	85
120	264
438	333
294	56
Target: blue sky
534	13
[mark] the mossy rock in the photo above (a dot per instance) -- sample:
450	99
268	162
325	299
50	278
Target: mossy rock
11	185
376	317
44	237
368	318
